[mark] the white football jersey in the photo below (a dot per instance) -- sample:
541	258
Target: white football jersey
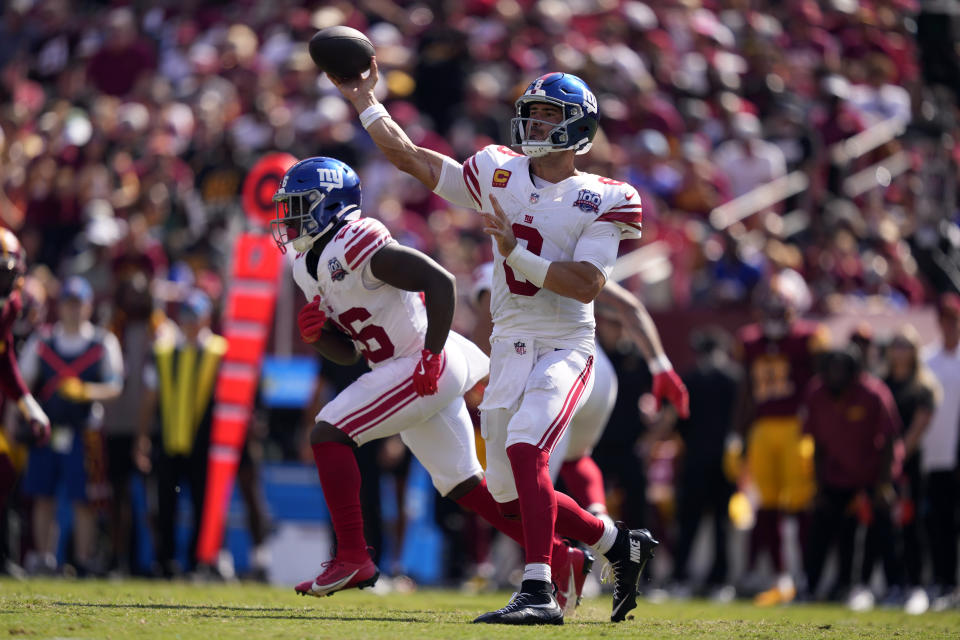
384	322
549	222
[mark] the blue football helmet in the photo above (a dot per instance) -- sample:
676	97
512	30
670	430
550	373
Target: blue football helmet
581	117
314	195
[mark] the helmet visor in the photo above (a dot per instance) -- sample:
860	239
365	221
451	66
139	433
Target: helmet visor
294	218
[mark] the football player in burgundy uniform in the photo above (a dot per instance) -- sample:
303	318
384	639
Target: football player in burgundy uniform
778	355
542	346
368	295
12	386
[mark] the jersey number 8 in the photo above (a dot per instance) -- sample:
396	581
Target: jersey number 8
534	246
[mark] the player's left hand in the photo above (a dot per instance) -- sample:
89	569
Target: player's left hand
427	373
667	384
497	225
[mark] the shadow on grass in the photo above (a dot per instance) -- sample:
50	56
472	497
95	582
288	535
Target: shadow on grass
211	611
157	605
327	618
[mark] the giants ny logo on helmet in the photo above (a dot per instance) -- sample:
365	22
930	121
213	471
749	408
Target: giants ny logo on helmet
330	178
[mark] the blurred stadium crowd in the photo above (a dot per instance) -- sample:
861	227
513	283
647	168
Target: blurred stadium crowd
126	130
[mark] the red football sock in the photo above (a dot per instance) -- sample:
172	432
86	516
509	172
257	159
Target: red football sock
766	536
538	500
340	480
576	523
482	503
584	481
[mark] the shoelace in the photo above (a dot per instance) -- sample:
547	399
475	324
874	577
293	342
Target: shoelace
326	566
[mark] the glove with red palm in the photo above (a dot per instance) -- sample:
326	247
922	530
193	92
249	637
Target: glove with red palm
667	384
310	320
427	373
37	433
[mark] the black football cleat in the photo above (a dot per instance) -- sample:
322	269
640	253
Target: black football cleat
526	608
636	549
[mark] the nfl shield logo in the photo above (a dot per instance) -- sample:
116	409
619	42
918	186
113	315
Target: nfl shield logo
534	198
337	272
520	347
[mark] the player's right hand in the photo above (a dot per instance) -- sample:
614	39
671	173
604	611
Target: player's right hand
359	90
310	321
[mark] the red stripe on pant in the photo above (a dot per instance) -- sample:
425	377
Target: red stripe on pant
559	424
382	408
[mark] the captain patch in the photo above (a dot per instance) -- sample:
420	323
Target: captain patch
500	178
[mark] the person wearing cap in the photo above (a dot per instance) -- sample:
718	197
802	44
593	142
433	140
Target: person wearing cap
71	367
179	388
938	448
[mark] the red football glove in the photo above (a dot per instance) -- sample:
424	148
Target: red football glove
667	384
427	373
310	320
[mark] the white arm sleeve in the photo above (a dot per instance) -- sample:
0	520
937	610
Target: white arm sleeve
29	361
112	363
598	246
451	186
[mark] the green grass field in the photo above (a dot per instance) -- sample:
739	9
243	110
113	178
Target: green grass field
136	609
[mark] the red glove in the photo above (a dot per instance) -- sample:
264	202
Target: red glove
310	320
427	373
667	384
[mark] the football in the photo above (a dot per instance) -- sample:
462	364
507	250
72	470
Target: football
341	52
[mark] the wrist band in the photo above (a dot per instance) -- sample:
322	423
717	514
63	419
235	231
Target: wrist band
373	113
660	364
531	266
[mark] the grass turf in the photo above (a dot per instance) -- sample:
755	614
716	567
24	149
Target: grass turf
139	609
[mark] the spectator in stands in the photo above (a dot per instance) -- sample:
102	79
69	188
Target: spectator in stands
938	449
853	420
72	367
747	159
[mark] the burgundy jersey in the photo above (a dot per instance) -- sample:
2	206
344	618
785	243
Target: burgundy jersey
778	371
12	386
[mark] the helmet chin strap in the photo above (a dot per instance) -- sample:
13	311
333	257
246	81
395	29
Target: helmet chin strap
302	244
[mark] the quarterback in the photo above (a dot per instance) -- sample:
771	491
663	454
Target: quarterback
369	296
555	233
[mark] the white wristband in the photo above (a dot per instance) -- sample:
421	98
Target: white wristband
660	364
373	113
30	409
531	266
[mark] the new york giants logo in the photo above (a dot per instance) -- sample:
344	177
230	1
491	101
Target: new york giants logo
337	272
520	347
330	178
588	201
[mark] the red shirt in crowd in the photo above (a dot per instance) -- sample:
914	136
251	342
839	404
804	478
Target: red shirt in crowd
851	432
